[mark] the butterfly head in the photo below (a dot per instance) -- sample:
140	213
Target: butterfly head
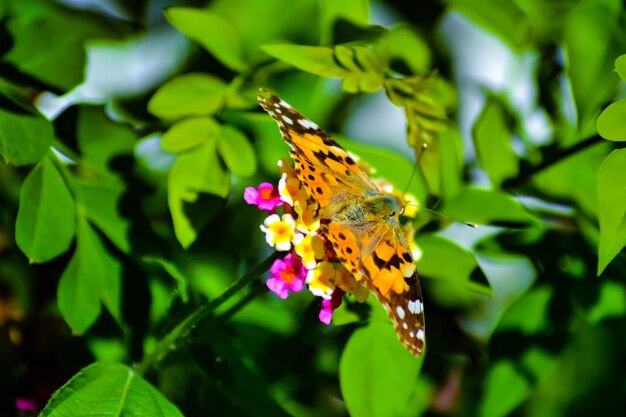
385	206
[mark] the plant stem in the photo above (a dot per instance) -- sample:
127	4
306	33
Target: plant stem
526	174
171	341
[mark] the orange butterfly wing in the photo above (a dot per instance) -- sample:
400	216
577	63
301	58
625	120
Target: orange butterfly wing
376	252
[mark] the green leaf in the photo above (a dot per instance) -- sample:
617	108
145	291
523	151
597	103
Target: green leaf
188	95
77	296
528	314
611	303
100	140
24	139
590	58
355	11
505	19
92	275
505	389
317	60
45	223
111	390
469	206
402	42
464	271
493	144
189	133
48	40
611	207
99	203
194	173
508	383
620	66
611	124
236	151
212	31
377	374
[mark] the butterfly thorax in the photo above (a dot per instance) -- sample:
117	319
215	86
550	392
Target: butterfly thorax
369	209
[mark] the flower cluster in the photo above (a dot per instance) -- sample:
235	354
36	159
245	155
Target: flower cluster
309	258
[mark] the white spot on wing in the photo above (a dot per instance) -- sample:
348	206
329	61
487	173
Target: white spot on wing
409	271
405	326
415	307
420	334
307	124
400	312
279	111
287	119
285	105
411	334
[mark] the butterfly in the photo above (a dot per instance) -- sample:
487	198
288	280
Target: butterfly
361	222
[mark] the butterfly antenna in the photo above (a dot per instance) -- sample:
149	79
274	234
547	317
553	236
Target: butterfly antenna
415	167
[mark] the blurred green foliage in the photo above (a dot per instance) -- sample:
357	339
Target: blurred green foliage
131	270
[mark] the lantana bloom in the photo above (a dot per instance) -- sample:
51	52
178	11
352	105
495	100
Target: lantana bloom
288	274
311	259
279	231
330	305
310	248
265	197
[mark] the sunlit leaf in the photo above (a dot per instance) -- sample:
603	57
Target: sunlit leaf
108	389
44	228
189	133
376	373
402	42
611	207
317	60
24	139
612	122
194	173
212	31
356	11
188	95
236	151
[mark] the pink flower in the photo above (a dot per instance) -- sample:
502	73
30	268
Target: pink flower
330	305
266	197
288	274
25	405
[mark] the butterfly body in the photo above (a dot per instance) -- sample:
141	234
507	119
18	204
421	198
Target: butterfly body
360	221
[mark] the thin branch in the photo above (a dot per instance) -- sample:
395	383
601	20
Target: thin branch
526	174
172	340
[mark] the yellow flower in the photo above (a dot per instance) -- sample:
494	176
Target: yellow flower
409	232
307	222
411	205
321	280
279	232
345	280
310	248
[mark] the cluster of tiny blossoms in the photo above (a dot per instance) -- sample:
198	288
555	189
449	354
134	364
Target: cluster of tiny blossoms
291	227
